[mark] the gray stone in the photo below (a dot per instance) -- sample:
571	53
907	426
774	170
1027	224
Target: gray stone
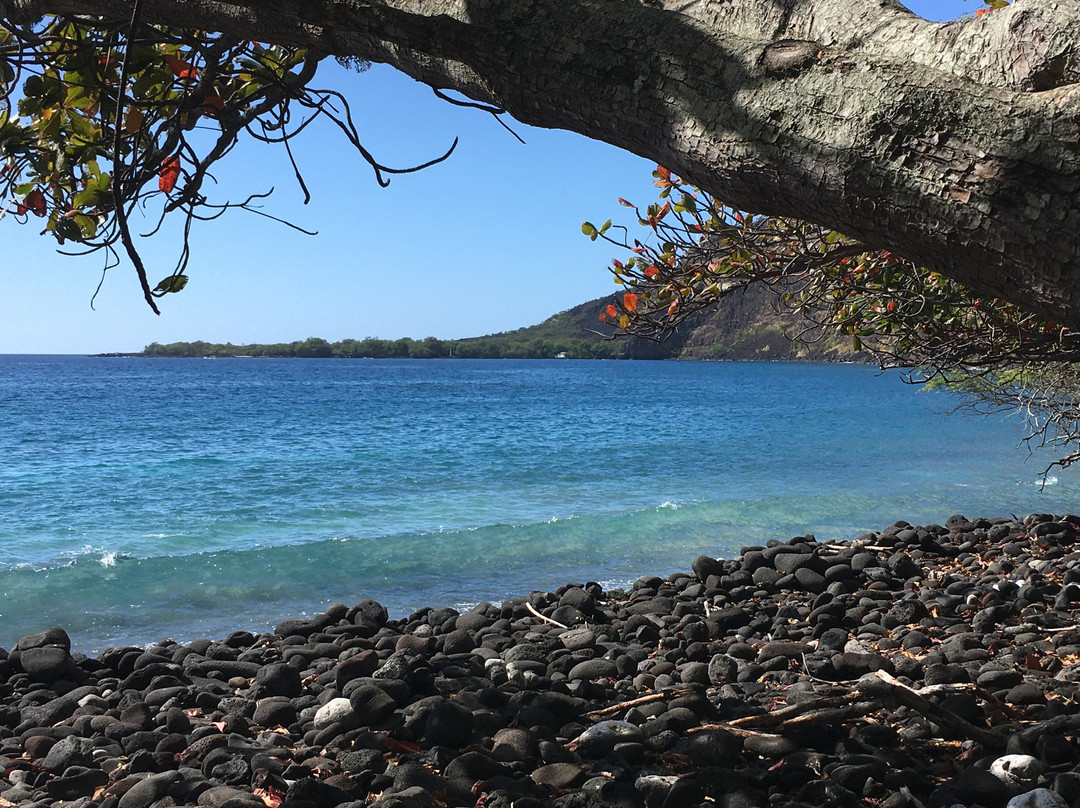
48	663
1038	798
147	792
371	704
598	668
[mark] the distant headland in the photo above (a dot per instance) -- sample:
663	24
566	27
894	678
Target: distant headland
745	326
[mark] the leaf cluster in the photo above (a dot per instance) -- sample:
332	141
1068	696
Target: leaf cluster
96	122
696	250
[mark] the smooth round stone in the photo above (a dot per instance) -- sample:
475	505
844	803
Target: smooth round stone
560	777
791	562
704	566
458	641
980	786
1025	693
578	639
601	738
1017	771
48	663
1038	798
590	669
371	704
335	711
810	580
450	724
358	666
278	680
274	711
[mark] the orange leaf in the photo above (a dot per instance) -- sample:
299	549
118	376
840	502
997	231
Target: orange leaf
603	317
664	173
624	203
35	202
394	745
673	308
629	302
651	271
180	68
169	174
611	312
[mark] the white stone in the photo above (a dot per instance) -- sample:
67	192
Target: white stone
1038	798
1017	770
334	711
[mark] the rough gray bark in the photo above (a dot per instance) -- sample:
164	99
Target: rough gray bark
957	146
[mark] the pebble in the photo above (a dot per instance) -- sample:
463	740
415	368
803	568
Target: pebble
665	693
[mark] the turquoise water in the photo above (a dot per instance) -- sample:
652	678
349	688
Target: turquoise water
143	499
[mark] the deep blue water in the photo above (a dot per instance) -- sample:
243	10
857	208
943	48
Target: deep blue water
145	498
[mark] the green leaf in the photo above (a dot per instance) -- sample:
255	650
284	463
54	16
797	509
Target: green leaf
588	229
173	283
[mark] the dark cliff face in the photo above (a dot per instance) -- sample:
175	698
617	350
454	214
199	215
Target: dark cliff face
744	326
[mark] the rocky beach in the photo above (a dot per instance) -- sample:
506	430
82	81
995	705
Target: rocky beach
925	666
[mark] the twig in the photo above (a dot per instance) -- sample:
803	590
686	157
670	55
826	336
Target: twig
626	705
538	616
781	716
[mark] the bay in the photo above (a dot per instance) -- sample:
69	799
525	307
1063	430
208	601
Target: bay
144	498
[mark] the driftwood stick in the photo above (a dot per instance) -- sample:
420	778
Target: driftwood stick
740	732
538	616
626	705
780	716
834	715
1056	725
882	684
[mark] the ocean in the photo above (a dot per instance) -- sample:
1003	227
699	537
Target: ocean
149	498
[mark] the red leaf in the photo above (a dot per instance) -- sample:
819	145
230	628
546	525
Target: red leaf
629	302
611	312
651	271
664	173
212	105
35	202
624	203
169	174
180	68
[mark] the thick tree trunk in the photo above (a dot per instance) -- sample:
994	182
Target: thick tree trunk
957	146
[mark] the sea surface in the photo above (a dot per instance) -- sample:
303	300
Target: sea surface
150	498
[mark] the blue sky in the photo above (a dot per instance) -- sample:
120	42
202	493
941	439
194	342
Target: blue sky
486	242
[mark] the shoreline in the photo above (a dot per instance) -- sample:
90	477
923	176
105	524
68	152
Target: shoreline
932	665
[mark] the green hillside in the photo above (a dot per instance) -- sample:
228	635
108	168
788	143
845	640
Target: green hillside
743	327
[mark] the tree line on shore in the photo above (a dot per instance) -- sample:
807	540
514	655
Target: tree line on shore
496	347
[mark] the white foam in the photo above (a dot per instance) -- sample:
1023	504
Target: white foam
1050	480
108	559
